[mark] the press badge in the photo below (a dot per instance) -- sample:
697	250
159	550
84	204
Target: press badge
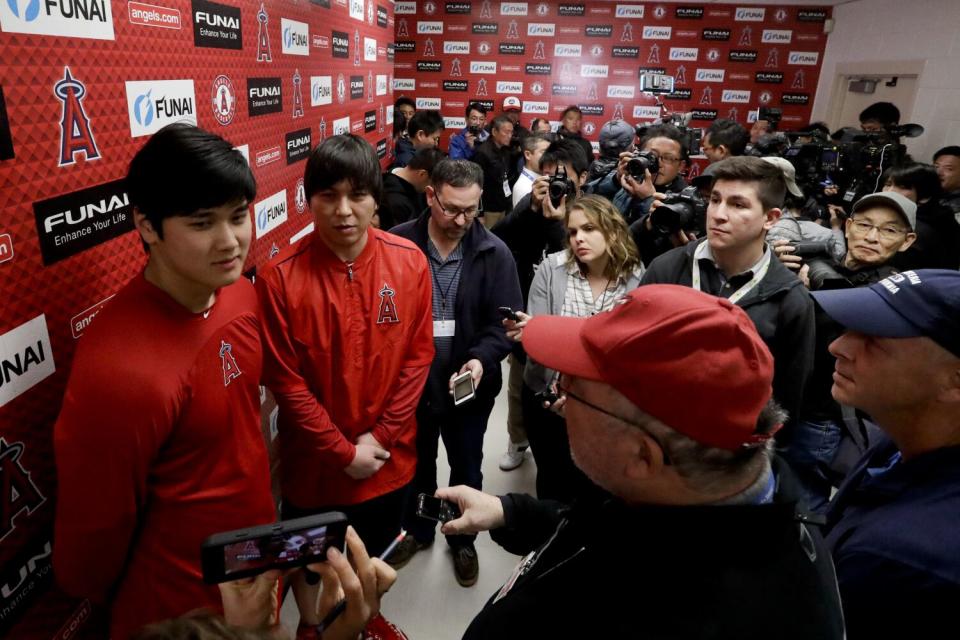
506	188
444	328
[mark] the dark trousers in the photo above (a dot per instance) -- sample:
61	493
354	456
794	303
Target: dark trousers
558	478
377	521
462	430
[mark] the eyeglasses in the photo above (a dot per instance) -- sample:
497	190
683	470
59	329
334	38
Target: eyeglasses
566	391
469	214
886	232
668	159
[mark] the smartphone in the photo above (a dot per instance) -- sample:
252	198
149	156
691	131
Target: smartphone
437	509
463	388
509	313
292	543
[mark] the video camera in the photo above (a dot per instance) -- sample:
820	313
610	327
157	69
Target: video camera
680	211
691	137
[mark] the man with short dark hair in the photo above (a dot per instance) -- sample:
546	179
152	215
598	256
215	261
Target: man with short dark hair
158	444
534	145
463	145
892	526
879	116
725	139
947	163
700	513
733	262
495	157
571	122
473	274
347	345
423	132
403	188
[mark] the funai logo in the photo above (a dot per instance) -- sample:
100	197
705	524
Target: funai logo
71	18
152	105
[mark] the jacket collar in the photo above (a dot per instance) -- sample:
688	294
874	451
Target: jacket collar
777	280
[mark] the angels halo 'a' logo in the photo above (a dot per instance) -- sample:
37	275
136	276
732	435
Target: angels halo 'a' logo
592	92
659	12
387	314
428	48
224	100
512	32
429	8
538	53
596	51
483	48
536	88
713	55
300	197
780	15
403	31
482	87
589	128
707	97
370	12
765	97
618	111
543	9
654	57
231	370
274	249
341	89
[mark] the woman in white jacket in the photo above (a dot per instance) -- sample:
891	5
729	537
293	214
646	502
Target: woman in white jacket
599	266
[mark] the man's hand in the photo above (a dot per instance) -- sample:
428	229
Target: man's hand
362	581
366	461
784	252
367	438
804	275
476	372
637	189
515	327
554	213
470	138
481	511
539	192
837	216
250	603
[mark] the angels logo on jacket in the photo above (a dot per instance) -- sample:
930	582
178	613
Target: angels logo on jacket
231	369
20	493
274	249
388	306
627	35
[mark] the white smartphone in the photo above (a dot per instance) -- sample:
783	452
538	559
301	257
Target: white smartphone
463	388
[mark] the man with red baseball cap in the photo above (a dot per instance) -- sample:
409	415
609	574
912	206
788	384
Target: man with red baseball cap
668	406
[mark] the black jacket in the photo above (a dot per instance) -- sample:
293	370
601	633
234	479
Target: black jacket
782	310
748	572
488	279
531	237
498	165
938	240
400	201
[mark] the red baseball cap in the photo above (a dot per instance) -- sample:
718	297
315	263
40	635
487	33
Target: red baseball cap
692	361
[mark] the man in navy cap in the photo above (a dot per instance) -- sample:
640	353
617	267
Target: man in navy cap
893	525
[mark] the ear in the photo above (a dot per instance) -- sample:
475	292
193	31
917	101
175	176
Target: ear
431	194
643	457
145	228
771	217
911	238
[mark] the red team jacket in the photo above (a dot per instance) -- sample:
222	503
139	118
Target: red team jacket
158	446
347	349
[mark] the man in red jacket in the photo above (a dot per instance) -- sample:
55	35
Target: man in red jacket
348	343
158	444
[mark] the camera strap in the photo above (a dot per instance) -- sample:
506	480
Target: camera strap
703	253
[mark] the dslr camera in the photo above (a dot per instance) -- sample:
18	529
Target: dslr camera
560	185
818	256
474	129
685	210
643	161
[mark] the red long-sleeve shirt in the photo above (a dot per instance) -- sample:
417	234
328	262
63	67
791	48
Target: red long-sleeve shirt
347	349
158	446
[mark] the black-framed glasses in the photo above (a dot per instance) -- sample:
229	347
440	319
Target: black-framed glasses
469	214
566	391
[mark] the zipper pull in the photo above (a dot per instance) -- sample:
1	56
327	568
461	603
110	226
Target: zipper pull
350	271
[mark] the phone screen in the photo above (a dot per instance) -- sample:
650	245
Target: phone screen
277	550
463	388
434	508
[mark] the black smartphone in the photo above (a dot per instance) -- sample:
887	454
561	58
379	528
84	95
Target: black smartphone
292	543
547	395
434	508
509	313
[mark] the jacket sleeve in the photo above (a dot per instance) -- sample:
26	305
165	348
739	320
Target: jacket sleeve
109	431
529	523
535	375
402	404
794	360
519	226
490	343
459	149
281	373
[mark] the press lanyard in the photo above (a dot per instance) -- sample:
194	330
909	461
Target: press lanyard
444	294
530	174
700	254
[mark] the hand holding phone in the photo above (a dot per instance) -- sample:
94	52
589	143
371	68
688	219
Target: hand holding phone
293	543
509	313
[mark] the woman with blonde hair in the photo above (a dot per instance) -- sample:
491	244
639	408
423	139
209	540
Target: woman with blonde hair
600	264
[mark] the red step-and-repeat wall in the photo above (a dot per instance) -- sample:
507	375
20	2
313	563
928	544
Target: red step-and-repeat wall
82	86
727	59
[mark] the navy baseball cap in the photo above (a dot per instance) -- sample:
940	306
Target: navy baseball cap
924	302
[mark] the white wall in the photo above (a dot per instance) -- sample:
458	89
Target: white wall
922	34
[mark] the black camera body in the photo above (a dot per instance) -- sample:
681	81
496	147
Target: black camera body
641	162
822	272
685	210
474	129
560	185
